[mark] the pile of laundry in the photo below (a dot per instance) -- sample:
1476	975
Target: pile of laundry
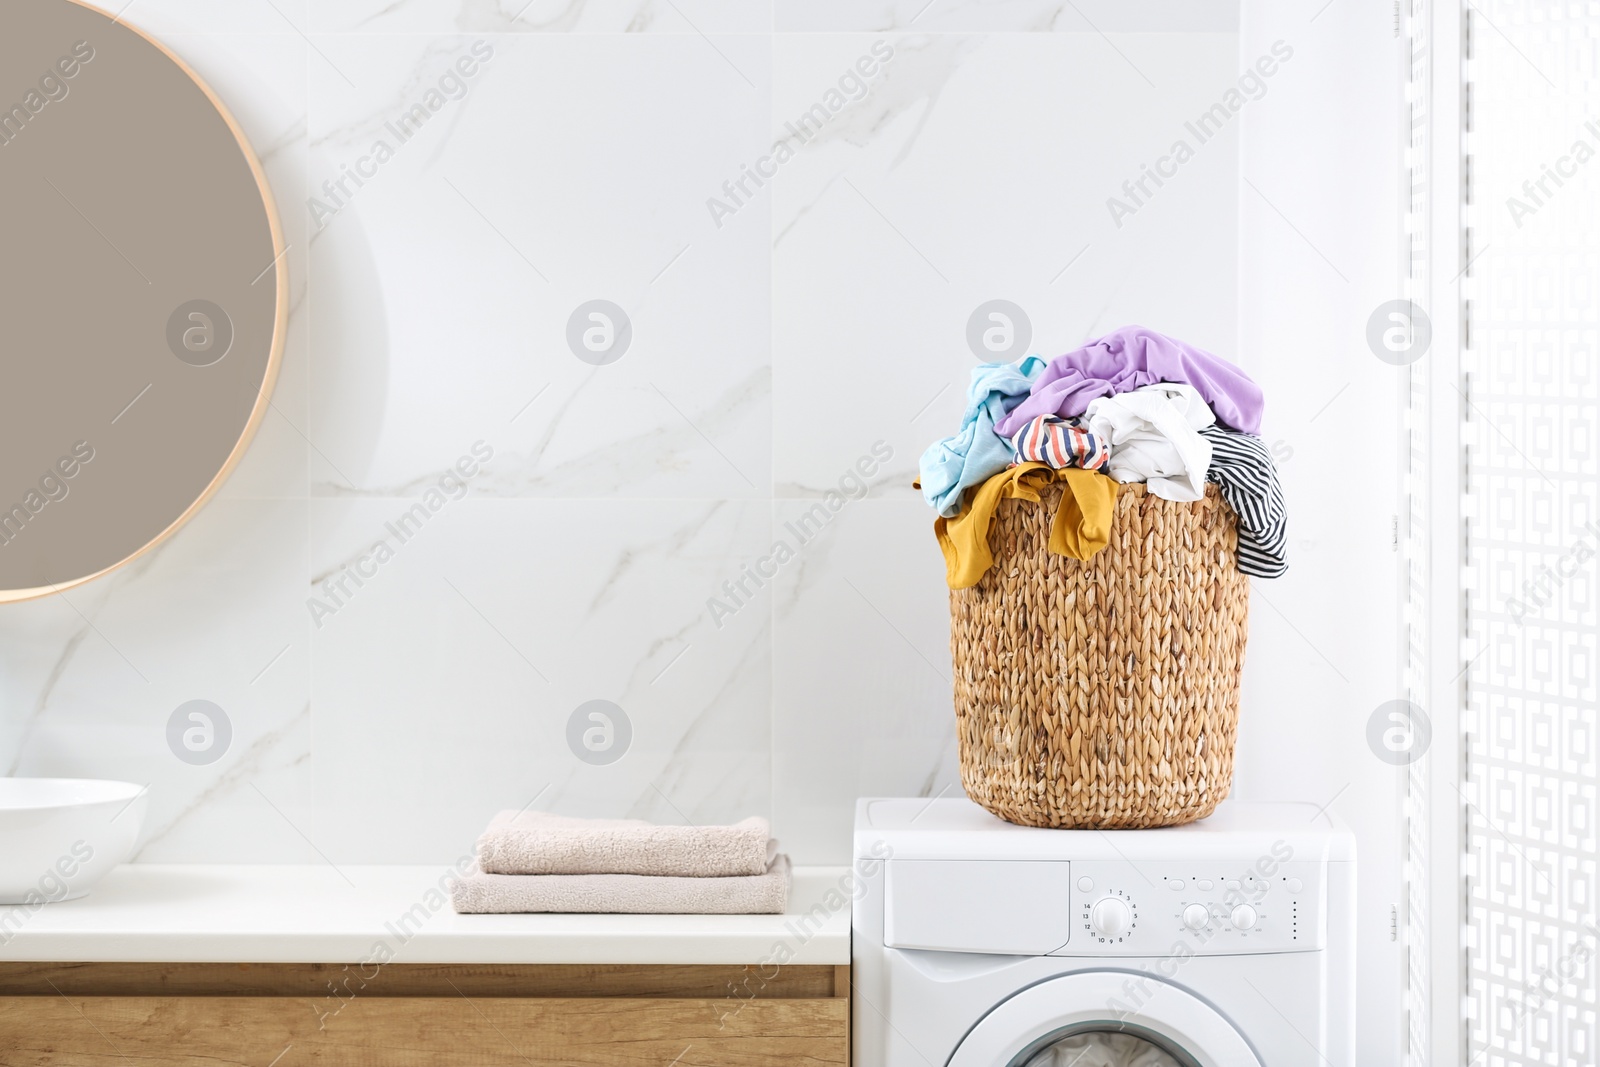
1133	406
530	861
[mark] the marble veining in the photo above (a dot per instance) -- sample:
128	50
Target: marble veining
41	703
279	748
385	120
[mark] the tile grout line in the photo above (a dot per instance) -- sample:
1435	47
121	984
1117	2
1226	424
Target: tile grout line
772	440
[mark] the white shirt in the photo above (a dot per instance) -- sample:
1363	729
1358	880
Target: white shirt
1154	437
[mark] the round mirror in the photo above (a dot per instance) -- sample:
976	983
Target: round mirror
143	300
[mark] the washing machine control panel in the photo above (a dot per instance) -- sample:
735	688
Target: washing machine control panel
1267	904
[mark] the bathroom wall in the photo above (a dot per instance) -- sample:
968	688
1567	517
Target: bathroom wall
1320	216
792	340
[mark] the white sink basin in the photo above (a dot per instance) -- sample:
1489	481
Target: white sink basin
59	835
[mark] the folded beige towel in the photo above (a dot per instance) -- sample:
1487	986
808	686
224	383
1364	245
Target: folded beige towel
534	842
624	894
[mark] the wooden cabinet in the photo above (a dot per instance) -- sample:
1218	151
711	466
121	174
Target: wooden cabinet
411	1015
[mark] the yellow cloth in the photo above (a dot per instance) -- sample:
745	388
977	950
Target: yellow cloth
1082	524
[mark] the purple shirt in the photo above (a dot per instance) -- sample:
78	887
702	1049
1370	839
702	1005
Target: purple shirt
1129	359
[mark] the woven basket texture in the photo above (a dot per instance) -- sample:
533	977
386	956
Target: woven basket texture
1103	693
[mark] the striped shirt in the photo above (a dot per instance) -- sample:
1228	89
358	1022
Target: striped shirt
1243	470
1059	443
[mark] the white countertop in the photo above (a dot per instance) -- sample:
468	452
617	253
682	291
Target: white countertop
160	913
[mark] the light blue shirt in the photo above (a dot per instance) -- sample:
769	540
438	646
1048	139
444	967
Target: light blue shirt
976	453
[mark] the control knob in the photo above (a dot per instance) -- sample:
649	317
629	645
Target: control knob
1196	916
1111	917
1243	917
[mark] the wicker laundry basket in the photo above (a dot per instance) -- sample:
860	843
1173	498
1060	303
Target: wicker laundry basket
1102	693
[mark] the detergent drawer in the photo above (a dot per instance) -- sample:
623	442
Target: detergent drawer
1020	908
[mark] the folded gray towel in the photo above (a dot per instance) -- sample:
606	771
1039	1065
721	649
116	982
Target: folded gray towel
624	894
534	842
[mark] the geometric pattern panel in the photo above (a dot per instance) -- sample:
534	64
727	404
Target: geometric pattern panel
1533	531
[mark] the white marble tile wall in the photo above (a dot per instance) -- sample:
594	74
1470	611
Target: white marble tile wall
820	326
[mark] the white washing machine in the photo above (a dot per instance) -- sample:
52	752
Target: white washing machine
1229	942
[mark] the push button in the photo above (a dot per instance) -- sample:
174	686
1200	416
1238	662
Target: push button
1294	885
1175	884
1085	884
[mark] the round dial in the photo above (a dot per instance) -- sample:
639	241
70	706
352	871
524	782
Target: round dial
1243	917
1111	917
1196	916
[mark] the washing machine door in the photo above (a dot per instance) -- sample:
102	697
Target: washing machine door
1130	1009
